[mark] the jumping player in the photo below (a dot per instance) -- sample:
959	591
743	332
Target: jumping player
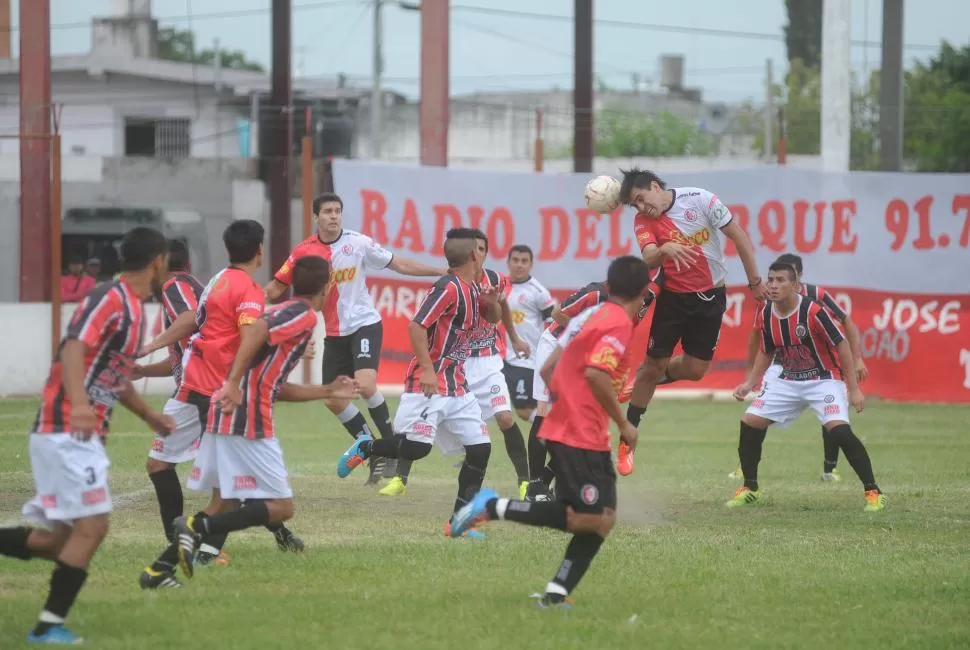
483	371
247	461
830	447
91	371
531	307
587	376
680	229
817	372
354	332
437	404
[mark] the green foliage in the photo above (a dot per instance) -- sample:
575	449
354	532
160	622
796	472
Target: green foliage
803	33
626	133
178	45
937	112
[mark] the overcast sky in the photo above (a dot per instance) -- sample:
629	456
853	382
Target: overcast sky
490	52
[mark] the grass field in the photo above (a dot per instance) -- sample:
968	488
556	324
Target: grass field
806	569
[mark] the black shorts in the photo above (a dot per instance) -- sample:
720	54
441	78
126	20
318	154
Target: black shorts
344	355
519	381
585	480
691	319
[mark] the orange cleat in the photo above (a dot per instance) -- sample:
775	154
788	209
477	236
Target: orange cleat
624	461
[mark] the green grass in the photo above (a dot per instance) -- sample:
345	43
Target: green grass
806	569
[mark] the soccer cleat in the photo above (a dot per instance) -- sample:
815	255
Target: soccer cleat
57	635
552	601
523	490
736	474
353	457
188	543
376	467
831	477
472	513
396	488
875	501
287	541
624	463
207	558
471	533
151	579
743	497
537	491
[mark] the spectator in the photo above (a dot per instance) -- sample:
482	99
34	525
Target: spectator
75	284
93	268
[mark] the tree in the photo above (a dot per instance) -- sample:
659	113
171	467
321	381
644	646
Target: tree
936	113
803	34
179	45
627	133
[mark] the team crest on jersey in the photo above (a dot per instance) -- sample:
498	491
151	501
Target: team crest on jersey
690	215
347	249
829	399
590	494
801	331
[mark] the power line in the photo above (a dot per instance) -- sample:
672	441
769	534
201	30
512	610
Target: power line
677	29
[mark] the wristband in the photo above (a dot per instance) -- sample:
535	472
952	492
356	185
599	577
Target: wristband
752	285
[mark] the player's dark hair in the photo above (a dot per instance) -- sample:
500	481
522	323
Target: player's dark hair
792	260
637	178
627	277
326	197
140	247
521	248
243	239
460	243
480	236
178	256
781	266
310	276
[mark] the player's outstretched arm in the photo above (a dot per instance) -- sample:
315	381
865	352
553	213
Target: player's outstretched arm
754	344
761	363
745	248
274	290
184	325
404	266
852	336
340	388
132	400
157	369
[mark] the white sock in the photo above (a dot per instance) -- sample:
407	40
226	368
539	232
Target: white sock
375	400
348	414
554	588
501	505
52	619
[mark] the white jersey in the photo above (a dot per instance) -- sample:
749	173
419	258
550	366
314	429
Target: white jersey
576	324
348	305
527	302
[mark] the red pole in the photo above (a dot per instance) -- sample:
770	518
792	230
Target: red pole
782	138
434	109
306	164
35	152
540	145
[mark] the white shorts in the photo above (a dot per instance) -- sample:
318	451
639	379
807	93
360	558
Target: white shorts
545	348
782	401
70	478
181	445
241	468
486	381
454	422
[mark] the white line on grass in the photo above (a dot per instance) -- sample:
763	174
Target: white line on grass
117	501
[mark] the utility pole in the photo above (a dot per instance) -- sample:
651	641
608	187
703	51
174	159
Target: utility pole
376	99
891	88
279	140
769	109
583	134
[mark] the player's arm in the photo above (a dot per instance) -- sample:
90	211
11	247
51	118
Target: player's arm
310	393
745	249
132	400
183	325
852	334
754	345
406	266
72	368
274	289
157	369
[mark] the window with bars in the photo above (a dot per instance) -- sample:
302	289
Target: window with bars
166	137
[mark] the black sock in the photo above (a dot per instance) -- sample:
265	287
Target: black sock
515	446
749	452
856	454
537	449
404	469
382	417
274	528
545	514
357	425
472	472
168	559
168	490
634	414
66	582
253	514
547	475
383	447
215	540
830	449
13	542
579	555
666	379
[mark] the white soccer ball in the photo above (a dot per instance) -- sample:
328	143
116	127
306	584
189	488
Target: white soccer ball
603	194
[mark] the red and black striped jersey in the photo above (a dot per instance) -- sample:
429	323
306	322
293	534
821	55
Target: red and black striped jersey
230	301
488	338
595	293
804	342
180	294
816	293
291	324
110	322
450	313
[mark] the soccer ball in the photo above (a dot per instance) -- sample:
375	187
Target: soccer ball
603	194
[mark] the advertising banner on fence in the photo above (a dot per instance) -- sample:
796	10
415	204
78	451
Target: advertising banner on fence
893	248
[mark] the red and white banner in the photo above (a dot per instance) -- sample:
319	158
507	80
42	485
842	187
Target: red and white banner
894	248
